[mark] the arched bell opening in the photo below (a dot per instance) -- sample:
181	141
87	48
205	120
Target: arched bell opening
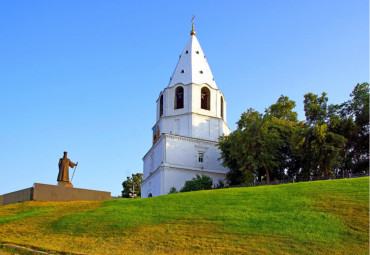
205	99
179	98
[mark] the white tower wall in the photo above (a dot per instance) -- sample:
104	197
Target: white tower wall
185	139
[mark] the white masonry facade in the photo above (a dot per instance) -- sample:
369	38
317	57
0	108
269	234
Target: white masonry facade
191	116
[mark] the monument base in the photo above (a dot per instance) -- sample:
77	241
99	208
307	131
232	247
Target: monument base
65	184
47	192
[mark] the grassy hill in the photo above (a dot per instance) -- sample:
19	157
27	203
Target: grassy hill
323	217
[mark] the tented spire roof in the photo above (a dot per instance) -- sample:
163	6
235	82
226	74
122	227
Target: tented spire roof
192	66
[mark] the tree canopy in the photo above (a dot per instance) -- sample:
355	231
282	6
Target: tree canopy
333	140
134	181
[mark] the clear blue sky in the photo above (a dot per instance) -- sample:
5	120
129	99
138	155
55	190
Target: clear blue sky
83	76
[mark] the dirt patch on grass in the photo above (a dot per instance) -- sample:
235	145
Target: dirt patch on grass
194	237
35	230
354	216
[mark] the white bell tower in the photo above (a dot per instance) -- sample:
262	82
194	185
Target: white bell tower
191	115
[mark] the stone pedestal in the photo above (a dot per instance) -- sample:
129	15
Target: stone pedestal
46	192
65	184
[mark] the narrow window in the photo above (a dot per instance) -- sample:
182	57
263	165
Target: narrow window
200	157
179	98
161	106
222	107
205	98
155	134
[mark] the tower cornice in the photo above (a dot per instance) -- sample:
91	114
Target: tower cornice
189	84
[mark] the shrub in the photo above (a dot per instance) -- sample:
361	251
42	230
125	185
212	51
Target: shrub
221	184
173	190
198	183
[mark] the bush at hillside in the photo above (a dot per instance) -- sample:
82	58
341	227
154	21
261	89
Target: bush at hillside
202	182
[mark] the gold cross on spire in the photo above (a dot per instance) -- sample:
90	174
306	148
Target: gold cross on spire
192	32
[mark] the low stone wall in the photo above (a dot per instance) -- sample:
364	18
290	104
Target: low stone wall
17	196
46	192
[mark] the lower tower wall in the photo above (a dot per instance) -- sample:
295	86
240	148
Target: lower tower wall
175	159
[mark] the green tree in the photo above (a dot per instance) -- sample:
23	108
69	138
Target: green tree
275	145
200	182
229	158
251	140
315	108
284	120
283	110
134	181
256	145
358	106
254	148
351	120
344	125
322	149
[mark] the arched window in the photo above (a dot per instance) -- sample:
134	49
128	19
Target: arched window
222	107
205	98
161	106
179	98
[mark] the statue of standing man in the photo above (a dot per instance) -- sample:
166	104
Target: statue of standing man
63	176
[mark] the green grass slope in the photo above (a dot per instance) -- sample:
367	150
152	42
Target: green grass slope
323	217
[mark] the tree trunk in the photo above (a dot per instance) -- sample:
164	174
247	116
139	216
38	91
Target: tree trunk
326	171
267	175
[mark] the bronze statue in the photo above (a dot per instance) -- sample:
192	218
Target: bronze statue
63	176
